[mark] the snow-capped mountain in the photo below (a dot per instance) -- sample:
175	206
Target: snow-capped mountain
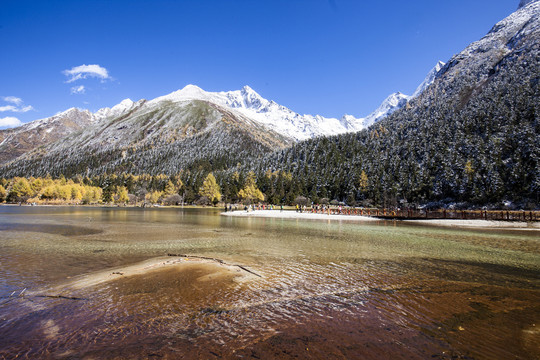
268	113
287	122
124	106
398	100
245	103
482	59
392	103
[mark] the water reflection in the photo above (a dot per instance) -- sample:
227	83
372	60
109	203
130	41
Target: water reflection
328	289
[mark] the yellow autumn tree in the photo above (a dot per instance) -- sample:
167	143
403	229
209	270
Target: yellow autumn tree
250	192
364	181
122	195
170	189
153	197
210	189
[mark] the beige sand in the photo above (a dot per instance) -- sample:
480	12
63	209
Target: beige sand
287	214
491	224
214	268
438	222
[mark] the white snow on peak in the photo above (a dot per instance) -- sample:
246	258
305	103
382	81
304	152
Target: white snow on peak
398	100
392	103
117	110
279	118
287	122
248	103
428	80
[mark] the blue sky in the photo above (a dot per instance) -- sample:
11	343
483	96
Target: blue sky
327	57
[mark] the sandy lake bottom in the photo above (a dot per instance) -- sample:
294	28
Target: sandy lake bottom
95	283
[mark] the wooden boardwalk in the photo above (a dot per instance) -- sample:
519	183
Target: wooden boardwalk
499	215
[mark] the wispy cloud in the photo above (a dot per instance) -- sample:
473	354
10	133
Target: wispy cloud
86	71
18	106
13	100
78	89
9	122
7	108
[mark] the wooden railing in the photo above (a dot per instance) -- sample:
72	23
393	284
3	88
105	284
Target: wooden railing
501	215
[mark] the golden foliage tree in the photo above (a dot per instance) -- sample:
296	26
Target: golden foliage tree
250	192
20	190
210	189
122	195
363	182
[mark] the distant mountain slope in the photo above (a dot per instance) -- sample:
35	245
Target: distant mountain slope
471	136
159	137
15	142
246	102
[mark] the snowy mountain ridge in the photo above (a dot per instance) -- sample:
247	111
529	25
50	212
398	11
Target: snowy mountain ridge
268	113
287	122
246	102
430	78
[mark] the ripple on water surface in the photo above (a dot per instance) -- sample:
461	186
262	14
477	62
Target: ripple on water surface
327	290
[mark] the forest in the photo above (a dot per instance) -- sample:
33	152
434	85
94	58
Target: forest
471	140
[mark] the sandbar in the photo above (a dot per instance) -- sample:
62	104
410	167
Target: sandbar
288	214
213	268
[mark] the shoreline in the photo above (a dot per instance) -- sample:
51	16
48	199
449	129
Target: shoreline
483	224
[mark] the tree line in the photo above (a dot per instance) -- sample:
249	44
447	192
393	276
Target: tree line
186	187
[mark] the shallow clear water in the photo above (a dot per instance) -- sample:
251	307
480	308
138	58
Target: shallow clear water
326	289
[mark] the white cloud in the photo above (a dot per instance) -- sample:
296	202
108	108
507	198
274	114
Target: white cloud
13	100
18	107
85	71
26	109
78	89
9	122
7	108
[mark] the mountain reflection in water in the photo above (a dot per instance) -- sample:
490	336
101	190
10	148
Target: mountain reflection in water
326	289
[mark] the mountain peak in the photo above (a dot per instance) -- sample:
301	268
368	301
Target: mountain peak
247	89
429	79
191	90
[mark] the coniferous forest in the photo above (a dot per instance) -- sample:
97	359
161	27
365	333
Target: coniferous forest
471	139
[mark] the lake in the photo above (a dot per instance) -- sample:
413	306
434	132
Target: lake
316	289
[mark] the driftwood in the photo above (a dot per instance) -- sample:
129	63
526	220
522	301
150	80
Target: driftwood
60	297
198	257
249	271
